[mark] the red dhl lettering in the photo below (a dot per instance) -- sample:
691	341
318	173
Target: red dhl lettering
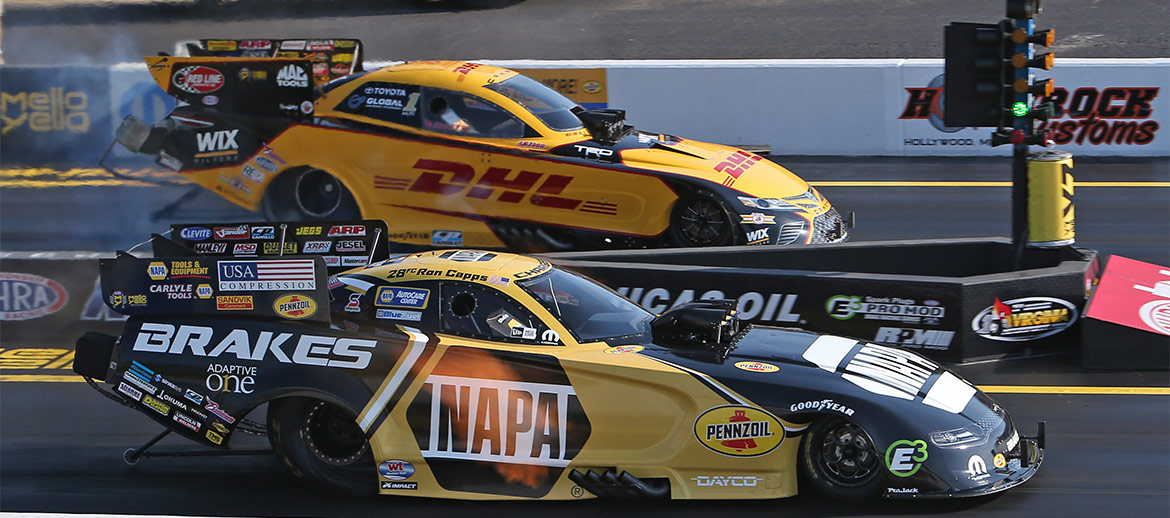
452	178
737	163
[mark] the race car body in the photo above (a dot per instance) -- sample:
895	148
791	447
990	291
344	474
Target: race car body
459	154
486	375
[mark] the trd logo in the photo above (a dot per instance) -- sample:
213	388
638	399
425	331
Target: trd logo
223	140
454	178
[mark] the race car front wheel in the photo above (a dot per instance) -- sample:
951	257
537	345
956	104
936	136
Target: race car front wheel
307	195
839	459
701	220
323	444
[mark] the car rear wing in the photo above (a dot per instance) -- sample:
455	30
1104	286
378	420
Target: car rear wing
267	270
330	59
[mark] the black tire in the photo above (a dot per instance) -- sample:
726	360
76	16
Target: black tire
839	459
701	220
308	195
322	444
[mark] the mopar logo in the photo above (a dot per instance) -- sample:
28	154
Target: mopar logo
195	233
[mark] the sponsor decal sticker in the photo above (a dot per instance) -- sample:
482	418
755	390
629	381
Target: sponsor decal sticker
24	296
211	248
402	297
233	302
292	274
354	260
897	309
204	291
999	461
252	174
237	379
273	247
215	438
198	79
156	405
447	237
266	164
186	421
386	484
195	233
244	249
264	232
623	349
346	231
318	247
129	391
757	218
903	458
295	306
156	270
727	481
756	367
351	246
1027	318
236	232
193	396
397	314
977	468
323	351
292	76
396	470
739	431
824	405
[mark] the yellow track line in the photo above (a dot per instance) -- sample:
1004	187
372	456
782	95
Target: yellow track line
994	389
894	183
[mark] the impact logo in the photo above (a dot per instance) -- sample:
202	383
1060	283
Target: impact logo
1027	318
1102	116
739	431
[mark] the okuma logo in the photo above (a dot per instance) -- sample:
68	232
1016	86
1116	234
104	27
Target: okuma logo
292	76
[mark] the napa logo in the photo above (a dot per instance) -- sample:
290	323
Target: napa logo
739	431
295	306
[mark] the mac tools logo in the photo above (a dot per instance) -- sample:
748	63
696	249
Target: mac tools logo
292	76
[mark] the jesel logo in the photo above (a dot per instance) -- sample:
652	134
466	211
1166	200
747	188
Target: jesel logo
501	184
488	420
739	431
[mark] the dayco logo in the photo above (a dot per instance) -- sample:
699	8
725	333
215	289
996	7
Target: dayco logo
514	422
927	339
324	351
295	306
156	405
844	307
739	431
903	458
721	481
773	307
498	183
824	405
55	110
1026	318
292	76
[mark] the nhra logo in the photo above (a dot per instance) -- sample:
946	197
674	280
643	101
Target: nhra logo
195	233
739	431
292	76
198	79
24	296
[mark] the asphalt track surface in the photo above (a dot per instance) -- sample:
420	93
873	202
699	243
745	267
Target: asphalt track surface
1108	451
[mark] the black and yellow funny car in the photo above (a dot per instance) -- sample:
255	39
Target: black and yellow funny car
474	374
457	154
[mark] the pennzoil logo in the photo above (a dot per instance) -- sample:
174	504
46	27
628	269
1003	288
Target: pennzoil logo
739	431
756	367
295	306
623	349
1027	318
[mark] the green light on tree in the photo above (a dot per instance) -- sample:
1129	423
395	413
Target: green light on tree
1019	109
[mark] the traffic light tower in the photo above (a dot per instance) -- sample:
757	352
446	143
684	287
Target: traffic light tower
989	84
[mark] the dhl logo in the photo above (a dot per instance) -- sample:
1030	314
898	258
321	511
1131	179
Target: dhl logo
501	184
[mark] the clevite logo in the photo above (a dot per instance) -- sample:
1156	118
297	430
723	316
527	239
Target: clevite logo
245	345
195	233
762	307
295	306
292	76
198	79
490	420
739	431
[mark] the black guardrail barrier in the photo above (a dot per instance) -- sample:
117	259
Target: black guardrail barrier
953	299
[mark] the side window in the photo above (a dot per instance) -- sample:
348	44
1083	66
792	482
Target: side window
477	312
458	113
391	102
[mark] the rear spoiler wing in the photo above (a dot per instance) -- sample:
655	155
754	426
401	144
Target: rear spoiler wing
267	270
330	59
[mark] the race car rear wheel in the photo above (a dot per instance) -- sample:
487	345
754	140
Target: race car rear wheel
701	220
309	194
322	443
839	459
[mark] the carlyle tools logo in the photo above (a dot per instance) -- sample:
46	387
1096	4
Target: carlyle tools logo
739	431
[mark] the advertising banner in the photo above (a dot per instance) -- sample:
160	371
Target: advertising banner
54	116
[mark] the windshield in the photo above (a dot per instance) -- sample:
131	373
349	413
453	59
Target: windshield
552	108
590	311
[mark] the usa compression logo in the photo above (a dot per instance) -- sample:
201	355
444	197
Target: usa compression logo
295	274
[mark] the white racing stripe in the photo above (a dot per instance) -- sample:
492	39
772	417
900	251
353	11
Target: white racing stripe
418	342
827	351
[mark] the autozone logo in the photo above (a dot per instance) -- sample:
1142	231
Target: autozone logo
760	307
244	249
501	184
239	232
489	420
292	76
321	351
214	141
347	231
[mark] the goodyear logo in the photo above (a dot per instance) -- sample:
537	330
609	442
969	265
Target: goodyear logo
295	306
739	431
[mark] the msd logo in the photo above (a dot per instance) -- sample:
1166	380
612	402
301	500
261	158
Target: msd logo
244	249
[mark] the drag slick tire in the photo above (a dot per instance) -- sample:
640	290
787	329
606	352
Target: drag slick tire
322	444
308	194
839	459
700	219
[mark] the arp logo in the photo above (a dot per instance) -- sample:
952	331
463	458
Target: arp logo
453	178
347	231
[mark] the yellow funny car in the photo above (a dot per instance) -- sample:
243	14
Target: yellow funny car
457	154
